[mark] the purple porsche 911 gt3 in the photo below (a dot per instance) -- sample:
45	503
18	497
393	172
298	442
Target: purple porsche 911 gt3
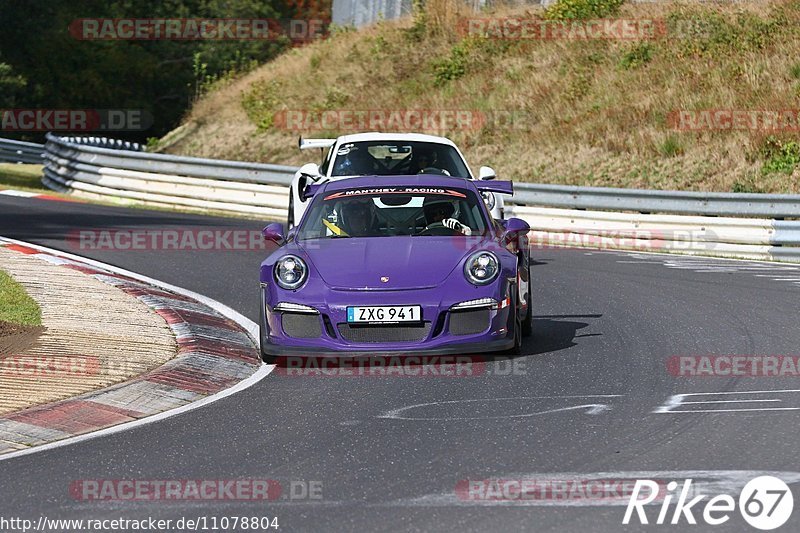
387	265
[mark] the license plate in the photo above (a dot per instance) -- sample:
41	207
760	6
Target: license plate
390	314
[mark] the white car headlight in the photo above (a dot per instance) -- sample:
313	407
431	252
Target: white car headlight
481	268
489	198
290	272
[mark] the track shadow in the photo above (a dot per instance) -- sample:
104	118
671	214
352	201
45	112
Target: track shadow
63	222
552	333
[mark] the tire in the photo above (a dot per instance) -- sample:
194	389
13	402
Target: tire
266	358
517	348
527	322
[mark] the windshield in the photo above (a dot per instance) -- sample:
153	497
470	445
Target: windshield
394	211
386	158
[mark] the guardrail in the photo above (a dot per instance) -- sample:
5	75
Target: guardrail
20	152
647	201
166	180
723	224
746	238
105	142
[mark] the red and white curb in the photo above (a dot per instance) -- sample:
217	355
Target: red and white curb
218	355
27	194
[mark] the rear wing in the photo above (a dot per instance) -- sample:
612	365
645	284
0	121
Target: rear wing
309	144
501	187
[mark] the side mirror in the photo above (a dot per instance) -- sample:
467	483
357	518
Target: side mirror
514	228
310	170
274	233
487	173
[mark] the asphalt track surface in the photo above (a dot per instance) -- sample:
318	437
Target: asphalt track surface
605	325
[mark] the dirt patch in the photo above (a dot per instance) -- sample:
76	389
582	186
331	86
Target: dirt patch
15	338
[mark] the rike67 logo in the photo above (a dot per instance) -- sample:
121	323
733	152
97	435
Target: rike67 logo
765	503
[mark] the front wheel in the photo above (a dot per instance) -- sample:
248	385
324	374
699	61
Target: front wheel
517	325
266	358
527	322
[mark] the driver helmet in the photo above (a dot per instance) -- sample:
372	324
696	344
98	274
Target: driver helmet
437	209
426	157
357	216
354	163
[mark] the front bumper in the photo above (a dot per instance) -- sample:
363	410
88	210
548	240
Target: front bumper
444	331
275	350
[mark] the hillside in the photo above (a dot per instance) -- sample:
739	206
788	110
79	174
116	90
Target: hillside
603	112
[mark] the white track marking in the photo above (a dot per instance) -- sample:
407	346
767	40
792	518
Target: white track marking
675	401
707	482
240	319
21	194
774	271
730	401
737	410
591	408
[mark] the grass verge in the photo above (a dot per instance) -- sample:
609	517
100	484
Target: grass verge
16	306
22	177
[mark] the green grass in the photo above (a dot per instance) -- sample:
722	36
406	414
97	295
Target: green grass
781	156
22	177
15	304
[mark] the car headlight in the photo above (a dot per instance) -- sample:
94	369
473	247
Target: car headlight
290	272
489	198
481	268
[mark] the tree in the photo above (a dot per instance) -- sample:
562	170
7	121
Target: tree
161	77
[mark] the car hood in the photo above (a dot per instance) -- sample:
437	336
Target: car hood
386	263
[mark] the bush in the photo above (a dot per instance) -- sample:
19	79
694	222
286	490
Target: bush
780	156
637	56
747	184
261	102
419	29
671	147
706	32
452	67
582	9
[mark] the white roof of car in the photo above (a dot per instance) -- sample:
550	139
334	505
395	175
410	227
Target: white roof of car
377	136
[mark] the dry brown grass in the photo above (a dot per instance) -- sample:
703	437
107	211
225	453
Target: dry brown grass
583	116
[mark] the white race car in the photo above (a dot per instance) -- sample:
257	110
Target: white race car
383	154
